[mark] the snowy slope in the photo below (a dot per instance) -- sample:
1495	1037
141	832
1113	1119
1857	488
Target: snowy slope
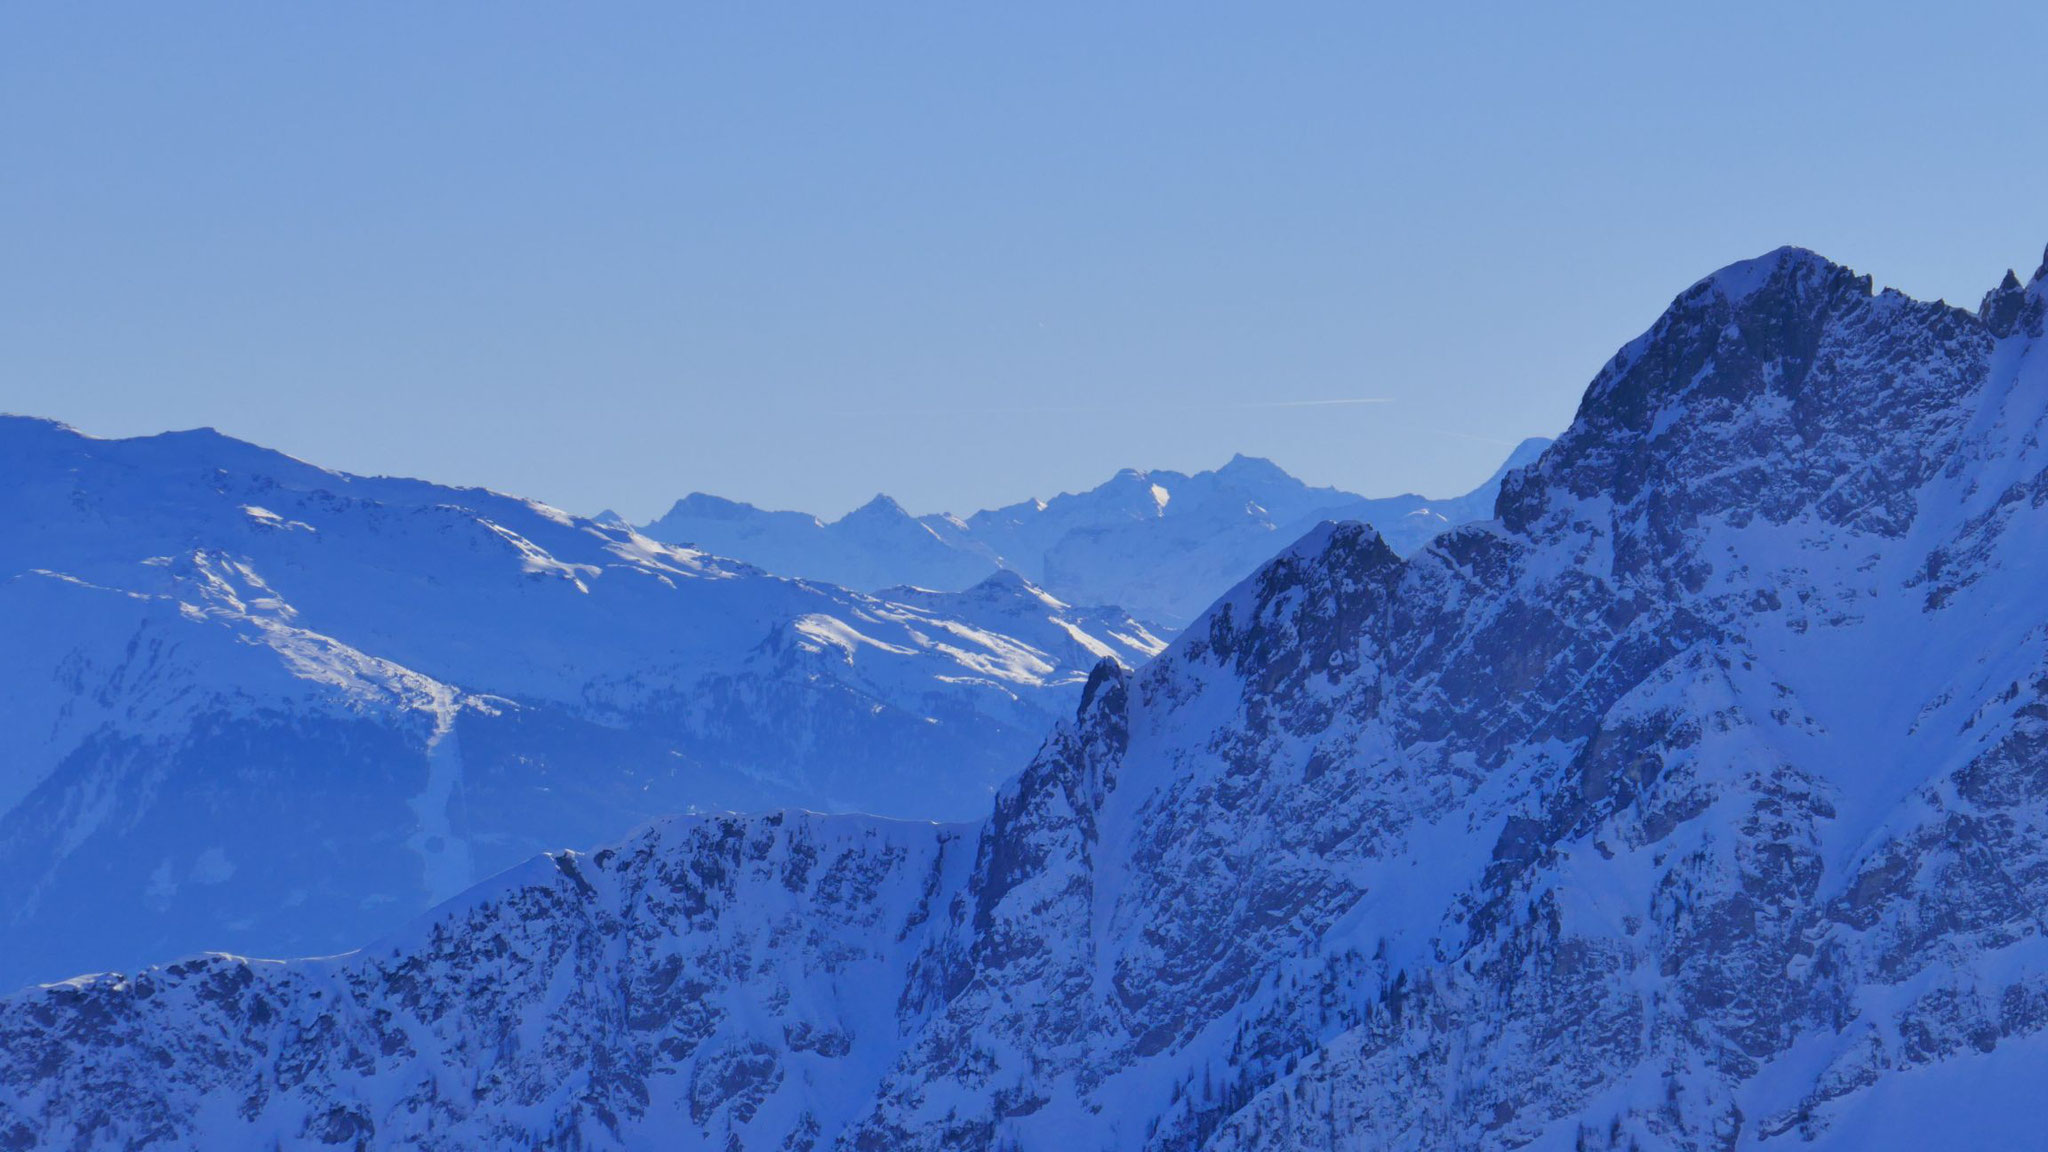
1161	545
1697	802
252	703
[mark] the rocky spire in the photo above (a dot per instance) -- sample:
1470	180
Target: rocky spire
2013	307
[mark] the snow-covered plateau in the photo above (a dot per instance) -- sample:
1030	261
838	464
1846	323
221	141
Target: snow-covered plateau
1695	801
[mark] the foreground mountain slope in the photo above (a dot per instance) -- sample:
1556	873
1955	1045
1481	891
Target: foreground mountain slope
254	703
1695	803
1160	544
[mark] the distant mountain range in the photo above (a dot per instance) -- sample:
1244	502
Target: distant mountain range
1161	545
254	704
250	703
1698	802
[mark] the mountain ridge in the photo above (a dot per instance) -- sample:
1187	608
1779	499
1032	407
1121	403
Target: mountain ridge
1697	801
1104	545
251	699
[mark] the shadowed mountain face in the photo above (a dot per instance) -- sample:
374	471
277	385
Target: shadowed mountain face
1697	802
1162	545
251	703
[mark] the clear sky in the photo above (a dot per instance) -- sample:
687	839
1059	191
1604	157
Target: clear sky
604	254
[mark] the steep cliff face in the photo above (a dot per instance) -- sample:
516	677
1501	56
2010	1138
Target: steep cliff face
1697	803
712	973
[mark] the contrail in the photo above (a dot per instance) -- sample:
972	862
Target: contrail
1058	409
1469	436
1313	403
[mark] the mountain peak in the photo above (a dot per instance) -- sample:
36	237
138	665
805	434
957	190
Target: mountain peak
1108	682
35	429
705	506
1750	312
882	506
2013	307
1006	579
1243	467
1744	278
1009	584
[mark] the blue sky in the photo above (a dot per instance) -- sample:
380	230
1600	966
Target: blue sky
797	254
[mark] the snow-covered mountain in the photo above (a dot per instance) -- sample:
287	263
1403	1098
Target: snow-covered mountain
877	545
1162	545
1698	802
251	703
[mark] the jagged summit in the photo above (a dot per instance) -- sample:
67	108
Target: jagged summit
1739	280
1786	272
1332	538
1161	544
2013	307
1761	331
1107	682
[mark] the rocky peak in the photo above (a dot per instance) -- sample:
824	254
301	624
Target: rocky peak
1779	388
2013	307
1104	694
1319	589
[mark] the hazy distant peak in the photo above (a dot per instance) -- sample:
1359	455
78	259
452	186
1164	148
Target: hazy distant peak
1010	582
1243	467
882	507
706	505
1158	543
1005	578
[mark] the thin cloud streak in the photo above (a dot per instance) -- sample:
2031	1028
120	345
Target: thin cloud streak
1029	410
1471	437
